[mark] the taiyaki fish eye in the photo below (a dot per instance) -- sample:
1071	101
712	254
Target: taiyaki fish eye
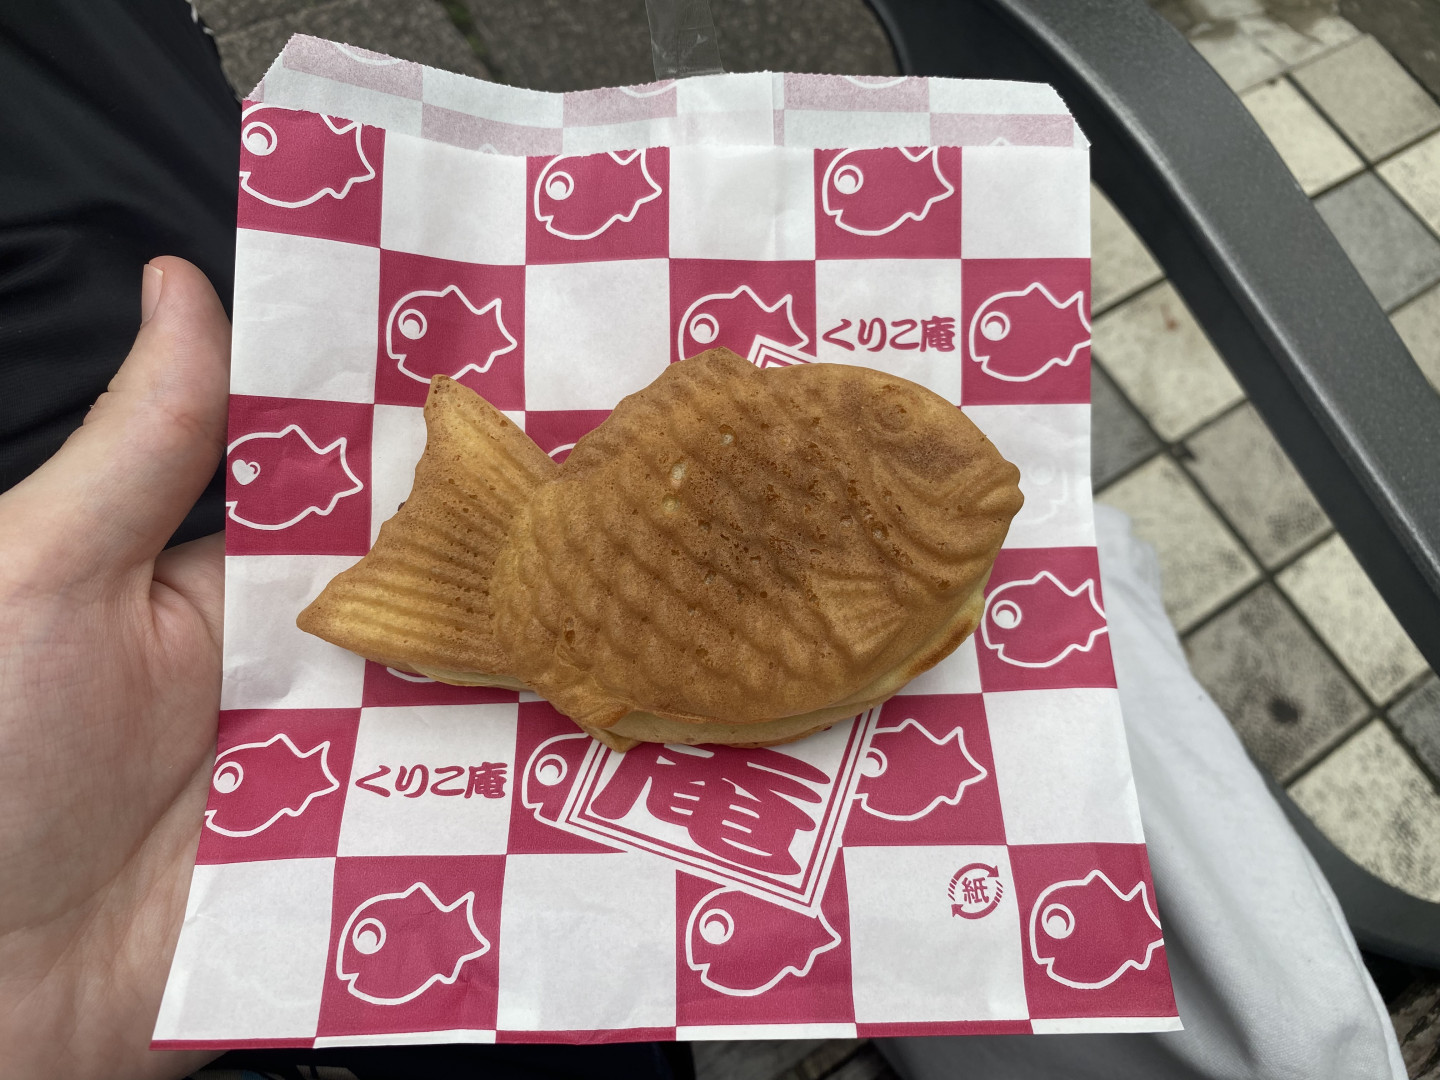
228	776
1058	921
411	324
559	186
716	926
995	326
368	936
704	329
259	138
551	769
1006	614
848	180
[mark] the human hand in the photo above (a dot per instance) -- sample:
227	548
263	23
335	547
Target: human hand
109	691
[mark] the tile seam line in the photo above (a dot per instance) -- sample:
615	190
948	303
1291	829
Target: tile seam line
1345	136
1268	576
1382	716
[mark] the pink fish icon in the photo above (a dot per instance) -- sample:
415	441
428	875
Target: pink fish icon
1018	336
551	772
742	946
578	198
256	784
1087	933
908	772
432	332
290	158
873	192
765	334
280	477
395	946
1039	622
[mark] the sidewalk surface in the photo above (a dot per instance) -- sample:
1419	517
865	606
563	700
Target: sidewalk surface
1280	623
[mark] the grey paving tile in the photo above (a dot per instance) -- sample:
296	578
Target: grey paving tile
1202	565
1284	694
1419	325
568	45
1417	717
416	30
1376	805
1395	254
1314	152
563	45
1335	596
750	1060
1156	352
1409	29
1242	468
1119	438
1222	11
1294	37
841	37
1370	97
1120	263
1415	174
1236	56
223	16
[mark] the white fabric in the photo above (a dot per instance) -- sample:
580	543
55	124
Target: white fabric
1267	976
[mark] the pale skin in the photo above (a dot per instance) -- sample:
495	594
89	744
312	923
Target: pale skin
109	691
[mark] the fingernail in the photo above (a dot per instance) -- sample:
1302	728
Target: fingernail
151	281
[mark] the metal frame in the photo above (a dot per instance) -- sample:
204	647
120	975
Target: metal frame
1175	149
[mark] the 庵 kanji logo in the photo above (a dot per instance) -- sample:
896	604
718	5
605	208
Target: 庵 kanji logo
254	785
1039	622
292	159
1086	933
580	197
397	945
758	819
1018	336
282	476
433	332
766	334
874	192
975	891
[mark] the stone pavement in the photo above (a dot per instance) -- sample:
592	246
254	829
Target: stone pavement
1278	620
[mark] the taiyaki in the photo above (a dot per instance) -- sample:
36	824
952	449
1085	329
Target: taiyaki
735	555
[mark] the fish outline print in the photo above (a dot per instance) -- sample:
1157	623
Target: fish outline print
260	141
1030	360
246	472
966	761
558	186
750	972
848	180
368	936
410	320
763	349
228	776
1006	613
1059	923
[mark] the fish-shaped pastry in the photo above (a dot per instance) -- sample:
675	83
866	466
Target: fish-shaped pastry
735	555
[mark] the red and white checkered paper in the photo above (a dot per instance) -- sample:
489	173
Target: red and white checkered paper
388	859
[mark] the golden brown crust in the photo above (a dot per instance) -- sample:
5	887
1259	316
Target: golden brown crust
735	555
421	597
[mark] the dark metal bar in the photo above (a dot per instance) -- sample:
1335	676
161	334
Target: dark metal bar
1179	154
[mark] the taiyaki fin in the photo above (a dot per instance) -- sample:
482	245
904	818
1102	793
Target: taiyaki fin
420	601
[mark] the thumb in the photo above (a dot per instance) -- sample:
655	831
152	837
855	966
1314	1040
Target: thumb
121	484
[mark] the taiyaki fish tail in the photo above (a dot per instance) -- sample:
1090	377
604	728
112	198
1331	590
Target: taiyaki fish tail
421	600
